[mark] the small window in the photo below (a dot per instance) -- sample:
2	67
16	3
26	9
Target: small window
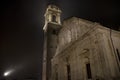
56	72
118	54
55	32
56	78
88	71
54	18
68	72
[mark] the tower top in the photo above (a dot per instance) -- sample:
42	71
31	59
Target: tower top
52	15
53	7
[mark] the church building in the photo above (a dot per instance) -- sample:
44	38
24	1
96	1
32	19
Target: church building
79	49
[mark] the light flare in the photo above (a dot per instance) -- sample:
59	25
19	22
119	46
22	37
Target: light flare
7	73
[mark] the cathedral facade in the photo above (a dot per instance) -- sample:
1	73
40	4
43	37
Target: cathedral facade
79	49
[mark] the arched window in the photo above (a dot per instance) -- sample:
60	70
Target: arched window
88	69
68	69
118	54
68	72
54	18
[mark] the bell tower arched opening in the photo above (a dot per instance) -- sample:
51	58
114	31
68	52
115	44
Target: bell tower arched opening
53	18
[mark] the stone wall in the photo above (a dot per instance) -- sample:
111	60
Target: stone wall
72	29
82	42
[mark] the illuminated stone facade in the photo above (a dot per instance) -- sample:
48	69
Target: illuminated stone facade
81	50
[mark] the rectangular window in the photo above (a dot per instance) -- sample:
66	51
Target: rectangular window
68	72
118	54
56	78
88	71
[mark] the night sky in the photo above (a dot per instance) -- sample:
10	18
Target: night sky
21	34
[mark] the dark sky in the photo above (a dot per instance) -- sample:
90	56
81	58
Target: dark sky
21	33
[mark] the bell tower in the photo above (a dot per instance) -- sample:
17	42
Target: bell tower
51	30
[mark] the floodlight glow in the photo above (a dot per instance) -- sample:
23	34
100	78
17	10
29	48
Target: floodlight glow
7	73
